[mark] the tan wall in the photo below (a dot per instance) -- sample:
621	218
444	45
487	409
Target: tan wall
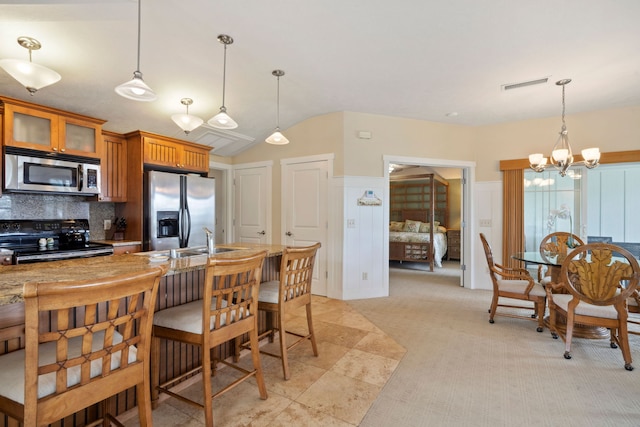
455	205
611	130
337	133
400	137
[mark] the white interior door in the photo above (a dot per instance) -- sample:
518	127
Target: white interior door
304	210
252	205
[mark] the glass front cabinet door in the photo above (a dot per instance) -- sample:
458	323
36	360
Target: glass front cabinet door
52	131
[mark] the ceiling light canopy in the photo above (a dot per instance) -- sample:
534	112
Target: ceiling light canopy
187	122
277	138
222	120
30	75
562	155
136	89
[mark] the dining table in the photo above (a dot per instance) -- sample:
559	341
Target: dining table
553	262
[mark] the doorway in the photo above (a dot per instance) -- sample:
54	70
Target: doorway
466	173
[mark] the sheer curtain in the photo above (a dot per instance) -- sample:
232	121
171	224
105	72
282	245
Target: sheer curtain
552	203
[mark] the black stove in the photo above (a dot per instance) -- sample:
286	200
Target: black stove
26	241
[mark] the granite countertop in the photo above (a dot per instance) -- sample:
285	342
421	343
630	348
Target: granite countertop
13	277
119	242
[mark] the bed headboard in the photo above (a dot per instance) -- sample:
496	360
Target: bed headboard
419	215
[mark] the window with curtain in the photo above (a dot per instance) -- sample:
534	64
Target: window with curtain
552	203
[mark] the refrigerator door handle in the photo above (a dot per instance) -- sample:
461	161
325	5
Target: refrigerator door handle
187	224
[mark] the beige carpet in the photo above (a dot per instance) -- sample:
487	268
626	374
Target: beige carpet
459	370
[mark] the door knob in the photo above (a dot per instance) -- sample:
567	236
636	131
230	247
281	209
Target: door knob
262	232
288	233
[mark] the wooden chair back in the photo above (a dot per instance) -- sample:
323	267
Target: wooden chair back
599	278
98	341
233	284
559	243
296	275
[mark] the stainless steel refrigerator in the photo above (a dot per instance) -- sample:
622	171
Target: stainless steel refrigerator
177	208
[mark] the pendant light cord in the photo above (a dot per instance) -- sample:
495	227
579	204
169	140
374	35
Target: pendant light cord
224	74
278	105
563	106
139	13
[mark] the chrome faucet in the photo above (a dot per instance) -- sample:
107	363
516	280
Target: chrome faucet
211	240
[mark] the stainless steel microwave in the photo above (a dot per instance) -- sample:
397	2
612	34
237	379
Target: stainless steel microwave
31	173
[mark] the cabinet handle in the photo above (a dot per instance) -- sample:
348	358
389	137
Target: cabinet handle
55	148
62	149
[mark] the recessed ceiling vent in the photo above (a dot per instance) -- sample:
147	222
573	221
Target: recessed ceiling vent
525	84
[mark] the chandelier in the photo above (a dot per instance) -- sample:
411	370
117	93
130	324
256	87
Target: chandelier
562	155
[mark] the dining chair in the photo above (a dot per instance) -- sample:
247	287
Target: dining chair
85	341
228	310
633	308
278	298
597	278
515	284
555	244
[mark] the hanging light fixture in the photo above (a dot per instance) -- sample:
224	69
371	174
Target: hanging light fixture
136	88
30	75
562	155
222	119
187	122
276	137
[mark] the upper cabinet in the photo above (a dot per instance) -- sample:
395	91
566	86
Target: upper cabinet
47	129
169	153
114	168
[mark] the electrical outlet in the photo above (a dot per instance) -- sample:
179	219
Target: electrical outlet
107	224
351	223
365	276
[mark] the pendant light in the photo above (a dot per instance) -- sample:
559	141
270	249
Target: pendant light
222	119
187	122
136	89
562	154
277	138
30	75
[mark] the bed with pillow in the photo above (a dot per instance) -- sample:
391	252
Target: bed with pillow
416	241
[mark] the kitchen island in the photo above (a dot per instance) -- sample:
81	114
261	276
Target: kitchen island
182	282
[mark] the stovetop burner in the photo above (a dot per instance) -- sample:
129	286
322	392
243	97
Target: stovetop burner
37	240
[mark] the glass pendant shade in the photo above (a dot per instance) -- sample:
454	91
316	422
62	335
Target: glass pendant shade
277	138
187	122
222	120
32	76
136	89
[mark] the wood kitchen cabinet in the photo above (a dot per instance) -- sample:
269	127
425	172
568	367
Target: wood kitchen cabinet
147	151
50	130
175	154
114	168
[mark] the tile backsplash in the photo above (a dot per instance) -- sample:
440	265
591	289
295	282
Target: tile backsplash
47	206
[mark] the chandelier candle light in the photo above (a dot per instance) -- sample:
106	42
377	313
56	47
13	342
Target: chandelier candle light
277	138
30	75
222	119
562	155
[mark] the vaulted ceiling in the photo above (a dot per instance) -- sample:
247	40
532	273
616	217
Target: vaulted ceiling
442	61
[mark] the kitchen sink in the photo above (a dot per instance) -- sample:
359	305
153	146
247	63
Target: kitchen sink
188	252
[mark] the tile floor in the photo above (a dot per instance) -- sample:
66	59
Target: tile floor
334	389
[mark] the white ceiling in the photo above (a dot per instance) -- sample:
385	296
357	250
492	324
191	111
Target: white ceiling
417	59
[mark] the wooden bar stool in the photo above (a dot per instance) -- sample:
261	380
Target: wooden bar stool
227	310
293	290
97	346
